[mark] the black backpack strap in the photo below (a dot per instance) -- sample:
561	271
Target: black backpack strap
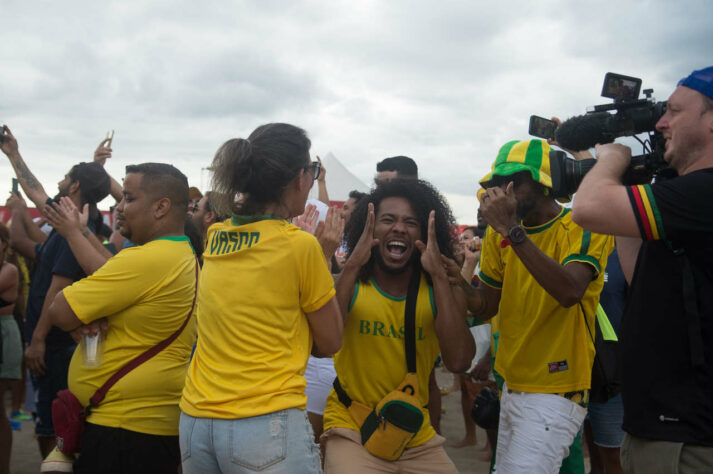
410	320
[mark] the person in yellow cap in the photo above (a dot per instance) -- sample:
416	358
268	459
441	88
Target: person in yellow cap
542	274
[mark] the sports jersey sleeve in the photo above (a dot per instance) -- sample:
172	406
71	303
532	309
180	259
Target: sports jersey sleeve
316	283
587	247
125	274
672	208
491	264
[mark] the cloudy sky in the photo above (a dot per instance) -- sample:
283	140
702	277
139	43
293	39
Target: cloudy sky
446	83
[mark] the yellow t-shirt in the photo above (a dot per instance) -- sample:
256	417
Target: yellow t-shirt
258	281
145	292
545	347
372	361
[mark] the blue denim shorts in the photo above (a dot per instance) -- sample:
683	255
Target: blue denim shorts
46	386
273	443
606	419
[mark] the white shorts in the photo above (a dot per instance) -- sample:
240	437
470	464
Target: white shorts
535	431
320	375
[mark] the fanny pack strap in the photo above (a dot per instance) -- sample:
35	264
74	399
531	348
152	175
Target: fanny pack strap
409	334
141	358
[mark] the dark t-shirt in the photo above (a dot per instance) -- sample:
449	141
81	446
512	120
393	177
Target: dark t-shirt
54	257
613	297
667	351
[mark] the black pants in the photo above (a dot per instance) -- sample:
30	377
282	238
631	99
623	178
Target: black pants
120	451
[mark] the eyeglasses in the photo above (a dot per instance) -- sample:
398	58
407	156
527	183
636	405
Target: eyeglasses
315	168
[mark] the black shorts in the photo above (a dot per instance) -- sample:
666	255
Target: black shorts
118	451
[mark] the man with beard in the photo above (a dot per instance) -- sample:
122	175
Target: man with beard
203	214
51	349
542	274
397	233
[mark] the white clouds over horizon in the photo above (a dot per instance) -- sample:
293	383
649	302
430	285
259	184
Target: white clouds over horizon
445	83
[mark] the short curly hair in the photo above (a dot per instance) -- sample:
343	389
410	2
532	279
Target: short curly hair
423	198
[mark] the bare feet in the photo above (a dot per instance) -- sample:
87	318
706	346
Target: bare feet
467	441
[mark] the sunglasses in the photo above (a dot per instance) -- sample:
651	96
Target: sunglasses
315	168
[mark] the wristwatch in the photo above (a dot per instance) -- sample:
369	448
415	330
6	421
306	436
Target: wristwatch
517	234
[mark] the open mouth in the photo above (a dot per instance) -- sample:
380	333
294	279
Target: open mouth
396	249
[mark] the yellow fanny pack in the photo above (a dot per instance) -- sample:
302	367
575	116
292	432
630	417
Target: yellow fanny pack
387	428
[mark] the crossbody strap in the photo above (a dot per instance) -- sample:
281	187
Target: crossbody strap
141	358
409	335
410	320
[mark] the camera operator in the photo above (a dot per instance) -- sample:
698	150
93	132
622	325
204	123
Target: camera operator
665	242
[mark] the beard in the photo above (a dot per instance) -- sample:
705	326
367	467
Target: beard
395	271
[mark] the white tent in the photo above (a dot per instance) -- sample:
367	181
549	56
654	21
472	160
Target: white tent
339	180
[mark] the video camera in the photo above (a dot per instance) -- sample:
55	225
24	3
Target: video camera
632	116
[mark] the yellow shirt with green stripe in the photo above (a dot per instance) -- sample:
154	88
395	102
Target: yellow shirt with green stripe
372	361
543	346
145	292
258	280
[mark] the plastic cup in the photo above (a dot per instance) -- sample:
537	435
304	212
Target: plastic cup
92	348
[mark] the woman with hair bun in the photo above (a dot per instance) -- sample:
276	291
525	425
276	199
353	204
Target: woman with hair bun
265	302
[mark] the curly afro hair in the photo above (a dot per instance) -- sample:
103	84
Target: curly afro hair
423	198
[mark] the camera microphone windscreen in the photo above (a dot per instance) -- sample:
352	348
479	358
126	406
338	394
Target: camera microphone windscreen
584	131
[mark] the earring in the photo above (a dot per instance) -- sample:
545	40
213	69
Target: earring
547	191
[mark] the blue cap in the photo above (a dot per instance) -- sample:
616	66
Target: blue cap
701	81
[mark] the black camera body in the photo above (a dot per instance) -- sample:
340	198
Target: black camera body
631	116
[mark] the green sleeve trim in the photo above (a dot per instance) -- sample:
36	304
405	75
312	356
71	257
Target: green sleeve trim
490	281
655	211
605	326
354	296
433	302
586	240
583	259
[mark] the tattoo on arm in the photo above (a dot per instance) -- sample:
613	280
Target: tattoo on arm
26	175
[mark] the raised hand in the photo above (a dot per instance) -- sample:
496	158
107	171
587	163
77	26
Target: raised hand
329	233
64	216
499	208
8	145
103	151
362	251
430	253
322	172
307	221
16	203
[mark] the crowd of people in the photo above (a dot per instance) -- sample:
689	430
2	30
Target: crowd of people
252	329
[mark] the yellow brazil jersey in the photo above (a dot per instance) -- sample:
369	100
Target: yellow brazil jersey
543	346
145	293
372	361
259	278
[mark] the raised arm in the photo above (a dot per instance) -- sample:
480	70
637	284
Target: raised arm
101	154
454	338
322	194
565	283
32	188
66	220
358	258
20	239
